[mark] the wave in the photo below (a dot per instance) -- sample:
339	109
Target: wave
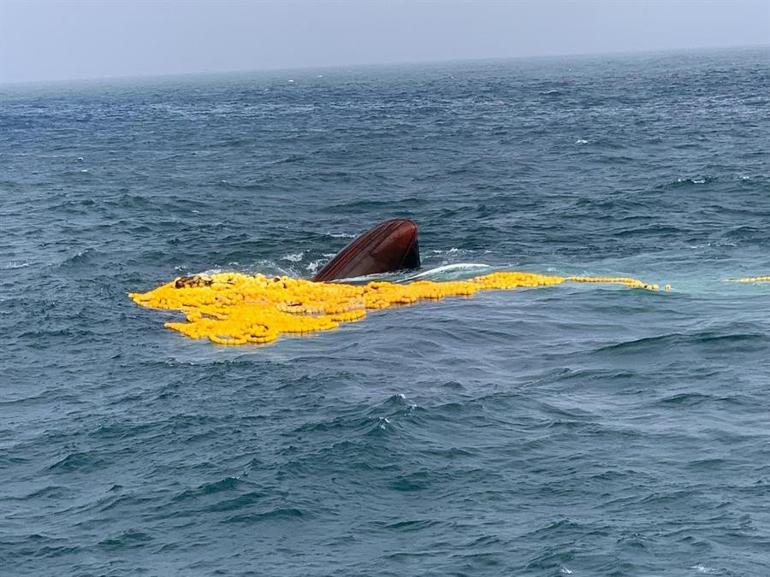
733	341
450	271
78	461
293	257
685	182
690	399
444	272
248	186
14	264
279	513
129	539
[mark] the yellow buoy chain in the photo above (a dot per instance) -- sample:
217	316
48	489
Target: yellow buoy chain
235	309
754	279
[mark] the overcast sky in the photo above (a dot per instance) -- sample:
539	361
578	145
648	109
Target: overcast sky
69	39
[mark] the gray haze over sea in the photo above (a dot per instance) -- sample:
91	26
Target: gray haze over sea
573	430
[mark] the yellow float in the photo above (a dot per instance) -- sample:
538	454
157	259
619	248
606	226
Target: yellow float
236	309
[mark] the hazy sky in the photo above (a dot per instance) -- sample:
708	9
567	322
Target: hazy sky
67	39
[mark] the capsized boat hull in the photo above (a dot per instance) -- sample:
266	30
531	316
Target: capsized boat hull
390	246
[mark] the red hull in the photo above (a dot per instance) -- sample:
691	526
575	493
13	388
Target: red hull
389	246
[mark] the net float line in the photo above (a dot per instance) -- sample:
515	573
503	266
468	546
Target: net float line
237	309
753	279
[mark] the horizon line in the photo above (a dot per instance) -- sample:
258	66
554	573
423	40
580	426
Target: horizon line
321	67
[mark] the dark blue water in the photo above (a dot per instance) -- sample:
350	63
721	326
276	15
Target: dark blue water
584	430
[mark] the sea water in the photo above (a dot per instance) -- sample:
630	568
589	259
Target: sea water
579	430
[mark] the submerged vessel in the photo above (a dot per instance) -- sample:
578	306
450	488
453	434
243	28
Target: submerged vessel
390	246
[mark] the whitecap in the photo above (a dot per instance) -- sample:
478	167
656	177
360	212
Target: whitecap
313	266
581	141
452	250
293	257
16	264
450	269
698	180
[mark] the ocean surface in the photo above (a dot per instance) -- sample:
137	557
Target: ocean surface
572	430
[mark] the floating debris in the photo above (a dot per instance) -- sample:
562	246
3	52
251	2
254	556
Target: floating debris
236	309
